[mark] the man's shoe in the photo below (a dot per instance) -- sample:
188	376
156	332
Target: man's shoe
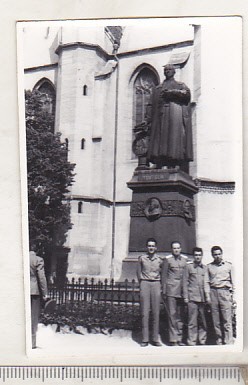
180	343
173	344
156	343
144	344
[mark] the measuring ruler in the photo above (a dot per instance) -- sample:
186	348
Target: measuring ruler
146	375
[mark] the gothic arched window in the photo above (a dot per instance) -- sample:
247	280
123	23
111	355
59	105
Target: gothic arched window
47	89
143	85
146	79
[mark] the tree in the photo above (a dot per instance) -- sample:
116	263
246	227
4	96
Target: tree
49	175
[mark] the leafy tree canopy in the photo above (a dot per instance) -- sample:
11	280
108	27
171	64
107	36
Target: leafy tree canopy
49	174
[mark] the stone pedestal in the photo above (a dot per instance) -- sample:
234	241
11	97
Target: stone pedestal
163	208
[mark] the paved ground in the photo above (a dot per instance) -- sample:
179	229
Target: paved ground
120	341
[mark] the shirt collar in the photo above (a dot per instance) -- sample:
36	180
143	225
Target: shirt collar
177	257
154	256
218	264
197	264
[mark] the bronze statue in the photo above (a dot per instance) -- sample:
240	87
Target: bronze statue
169	117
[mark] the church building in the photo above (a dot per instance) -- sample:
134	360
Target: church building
98	77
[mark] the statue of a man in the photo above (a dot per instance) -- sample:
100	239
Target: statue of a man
169	115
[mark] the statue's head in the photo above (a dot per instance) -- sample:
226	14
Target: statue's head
169	70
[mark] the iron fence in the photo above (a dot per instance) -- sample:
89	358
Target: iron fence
95	291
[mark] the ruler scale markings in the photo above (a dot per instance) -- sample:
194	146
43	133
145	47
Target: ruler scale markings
63	374
158	373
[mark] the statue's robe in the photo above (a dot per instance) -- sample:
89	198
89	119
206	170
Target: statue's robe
171	129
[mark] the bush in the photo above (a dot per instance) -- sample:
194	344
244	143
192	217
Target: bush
95	317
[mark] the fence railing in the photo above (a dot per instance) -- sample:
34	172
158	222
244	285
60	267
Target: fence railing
93	291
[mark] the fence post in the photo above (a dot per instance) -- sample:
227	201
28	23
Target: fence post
112	291
79	291
92	290
126	292
72	290
119	294
105	291
85	288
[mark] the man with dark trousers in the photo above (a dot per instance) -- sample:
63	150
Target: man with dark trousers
172	287
149	268
196	294
38	291
221	288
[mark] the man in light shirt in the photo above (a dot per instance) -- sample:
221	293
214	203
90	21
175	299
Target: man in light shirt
221	287
149	267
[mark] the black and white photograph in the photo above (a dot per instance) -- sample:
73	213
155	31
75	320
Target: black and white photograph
131	172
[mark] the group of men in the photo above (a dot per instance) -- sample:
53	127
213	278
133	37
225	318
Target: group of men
183	282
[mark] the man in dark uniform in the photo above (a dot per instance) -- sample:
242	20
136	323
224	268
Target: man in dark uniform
196	293
38	290
221	287
149	266
172	287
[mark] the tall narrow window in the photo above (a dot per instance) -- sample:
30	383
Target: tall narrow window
143	85
142	89
82	144
85	90
80	207
47	89
66	144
